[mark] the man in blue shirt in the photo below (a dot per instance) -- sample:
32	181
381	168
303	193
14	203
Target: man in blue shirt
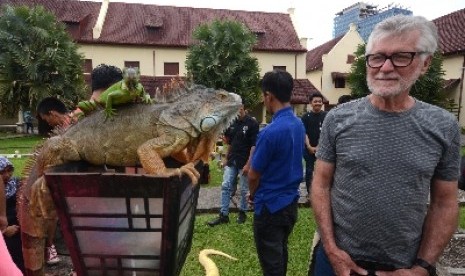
275	174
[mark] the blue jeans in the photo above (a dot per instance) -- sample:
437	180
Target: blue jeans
322	265
271	233
229	177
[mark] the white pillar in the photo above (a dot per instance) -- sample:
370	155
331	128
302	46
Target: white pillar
20	124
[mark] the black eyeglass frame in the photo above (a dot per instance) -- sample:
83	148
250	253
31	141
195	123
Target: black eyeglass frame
390	57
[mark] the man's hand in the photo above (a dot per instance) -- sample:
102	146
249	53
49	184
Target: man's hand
342	263
311	150
249	198
11	230
245	169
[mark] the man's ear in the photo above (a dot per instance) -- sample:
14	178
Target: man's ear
425	64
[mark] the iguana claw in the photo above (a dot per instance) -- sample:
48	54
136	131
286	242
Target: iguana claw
110	113
190	170
147	99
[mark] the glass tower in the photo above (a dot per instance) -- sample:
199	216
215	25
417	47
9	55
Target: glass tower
365	17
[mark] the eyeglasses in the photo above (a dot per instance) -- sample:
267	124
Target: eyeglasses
400	59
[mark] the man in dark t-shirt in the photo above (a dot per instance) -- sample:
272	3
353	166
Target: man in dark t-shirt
312	120
240	137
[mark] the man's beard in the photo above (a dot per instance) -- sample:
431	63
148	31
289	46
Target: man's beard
397	86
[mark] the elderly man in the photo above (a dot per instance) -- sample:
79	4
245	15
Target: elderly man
380	158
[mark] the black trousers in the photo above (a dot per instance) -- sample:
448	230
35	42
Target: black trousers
14	248
271	233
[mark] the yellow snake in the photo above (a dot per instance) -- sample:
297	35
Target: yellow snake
210	267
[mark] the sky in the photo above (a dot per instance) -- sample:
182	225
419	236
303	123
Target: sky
314	19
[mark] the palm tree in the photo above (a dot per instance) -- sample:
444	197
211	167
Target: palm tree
37	59
221	58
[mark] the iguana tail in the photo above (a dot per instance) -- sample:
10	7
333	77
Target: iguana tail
210	267
87	106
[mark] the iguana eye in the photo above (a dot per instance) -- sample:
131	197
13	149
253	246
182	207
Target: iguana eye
222	95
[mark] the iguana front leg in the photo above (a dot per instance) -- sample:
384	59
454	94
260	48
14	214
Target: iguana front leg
114	97
151	153
144	96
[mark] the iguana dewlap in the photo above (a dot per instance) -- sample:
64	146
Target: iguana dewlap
210	267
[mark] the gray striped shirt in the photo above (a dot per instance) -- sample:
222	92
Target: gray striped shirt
384	166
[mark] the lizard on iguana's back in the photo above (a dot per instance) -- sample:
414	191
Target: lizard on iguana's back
128	90
185	127
210	267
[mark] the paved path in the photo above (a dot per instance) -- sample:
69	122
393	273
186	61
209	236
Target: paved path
209	199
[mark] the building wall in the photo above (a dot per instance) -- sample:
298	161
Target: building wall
453	68
152	62
315	78
152	59
336	61
295	63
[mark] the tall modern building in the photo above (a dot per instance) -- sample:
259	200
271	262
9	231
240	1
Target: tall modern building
365	17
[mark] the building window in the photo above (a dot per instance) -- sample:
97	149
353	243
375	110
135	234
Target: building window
73	29
87	66
132	64
282	68
339	82
171	69
350	59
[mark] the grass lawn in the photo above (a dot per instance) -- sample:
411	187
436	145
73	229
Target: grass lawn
23	145
237	240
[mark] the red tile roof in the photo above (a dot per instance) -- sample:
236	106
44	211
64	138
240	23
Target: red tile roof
450	83
303	88
314	56
153	25
451	28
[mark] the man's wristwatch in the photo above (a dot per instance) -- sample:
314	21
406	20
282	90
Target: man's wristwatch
429	267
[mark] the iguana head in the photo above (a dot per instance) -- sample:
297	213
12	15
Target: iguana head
199	110
131	76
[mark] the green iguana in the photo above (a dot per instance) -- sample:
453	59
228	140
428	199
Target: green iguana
185	127
128	90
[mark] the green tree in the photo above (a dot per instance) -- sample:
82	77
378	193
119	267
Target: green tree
427	88
221	58
37	59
